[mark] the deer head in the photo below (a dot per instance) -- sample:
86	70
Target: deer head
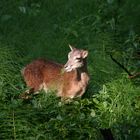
76	59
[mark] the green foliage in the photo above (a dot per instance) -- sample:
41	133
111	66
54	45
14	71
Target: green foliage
35	28
10	79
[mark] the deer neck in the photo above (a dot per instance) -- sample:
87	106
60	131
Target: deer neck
81	72
78	75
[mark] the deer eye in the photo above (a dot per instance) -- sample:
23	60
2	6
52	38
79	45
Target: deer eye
78	59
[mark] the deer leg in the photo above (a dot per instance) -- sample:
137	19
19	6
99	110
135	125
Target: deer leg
32	91
27	93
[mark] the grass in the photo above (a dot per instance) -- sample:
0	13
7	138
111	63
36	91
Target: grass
33	29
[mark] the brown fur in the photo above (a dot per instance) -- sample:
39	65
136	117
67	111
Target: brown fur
48	75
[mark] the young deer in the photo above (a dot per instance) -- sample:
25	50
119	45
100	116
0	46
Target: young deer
69	80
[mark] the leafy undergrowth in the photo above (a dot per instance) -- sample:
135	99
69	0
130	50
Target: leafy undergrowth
116	106
46	117
33	29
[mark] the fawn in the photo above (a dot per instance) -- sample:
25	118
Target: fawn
69	80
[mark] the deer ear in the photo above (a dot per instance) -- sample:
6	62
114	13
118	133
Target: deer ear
84	54
71	48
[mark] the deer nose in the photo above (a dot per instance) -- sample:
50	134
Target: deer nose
65	66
